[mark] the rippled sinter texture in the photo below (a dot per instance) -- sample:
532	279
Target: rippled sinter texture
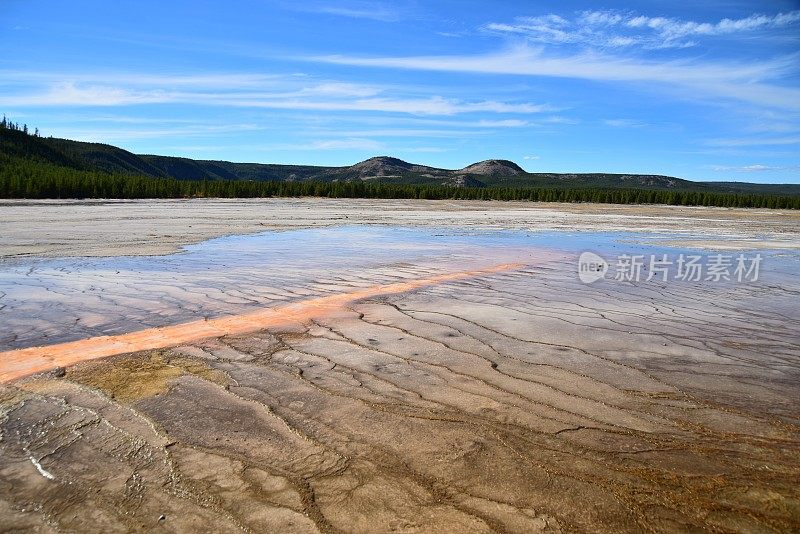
15	364
512	402
66	299
49	301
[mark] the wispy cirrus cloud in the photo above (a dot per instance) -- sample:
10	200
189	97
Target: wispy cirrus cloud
353	9
418	122
358	144
339	144
752	82
616	29
106	135
73	94
671	30
755	141
624	123
755	168
291	93
221	80
524	59
416	133
435	105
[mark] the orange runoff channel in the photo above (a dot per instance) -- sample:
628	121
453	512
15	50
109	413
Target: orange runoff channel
19	363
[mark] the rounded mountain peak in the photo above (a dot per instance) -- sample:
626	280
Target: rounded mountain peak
383	161
493	167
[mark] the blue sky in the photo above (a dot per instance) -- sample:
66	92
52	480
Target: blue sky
708	92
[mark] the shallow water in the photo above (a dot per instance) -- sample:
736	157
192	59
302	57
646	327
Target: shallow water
65	299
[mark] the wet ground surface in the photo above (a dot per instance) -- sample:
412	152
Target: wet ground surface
514	401
50	301
95	228
65	299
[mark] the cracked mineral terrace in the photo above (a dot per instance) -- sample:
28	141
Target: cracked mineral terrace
409	367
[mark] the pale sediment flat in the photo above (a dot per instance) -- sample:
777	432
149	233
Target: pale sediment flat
54	228
514	399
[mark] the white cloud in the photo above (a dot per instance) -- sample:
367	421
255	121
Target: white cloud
450	123
622	29
435	105
754	168
142	79
507	123
527	60
531	157
71	94
40	89
739	81
558	119
341	89
601	18
366	145
346	144
670	28
403	132
755	141
618	41
547	28
112	135
352	9
323	144
382	15
623	123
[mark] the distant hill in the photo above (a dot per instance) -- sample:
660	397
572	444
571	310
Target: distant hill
98	157
493	167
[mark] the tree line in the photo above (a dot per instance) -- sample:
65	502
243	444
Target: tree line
35	170
27	178
14	126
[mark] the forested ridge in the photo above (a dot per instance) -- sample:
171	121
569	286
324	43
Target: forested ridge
38	170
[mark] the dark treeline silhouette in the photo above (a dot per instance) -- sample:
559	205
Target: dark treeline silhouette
32	179
28	171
